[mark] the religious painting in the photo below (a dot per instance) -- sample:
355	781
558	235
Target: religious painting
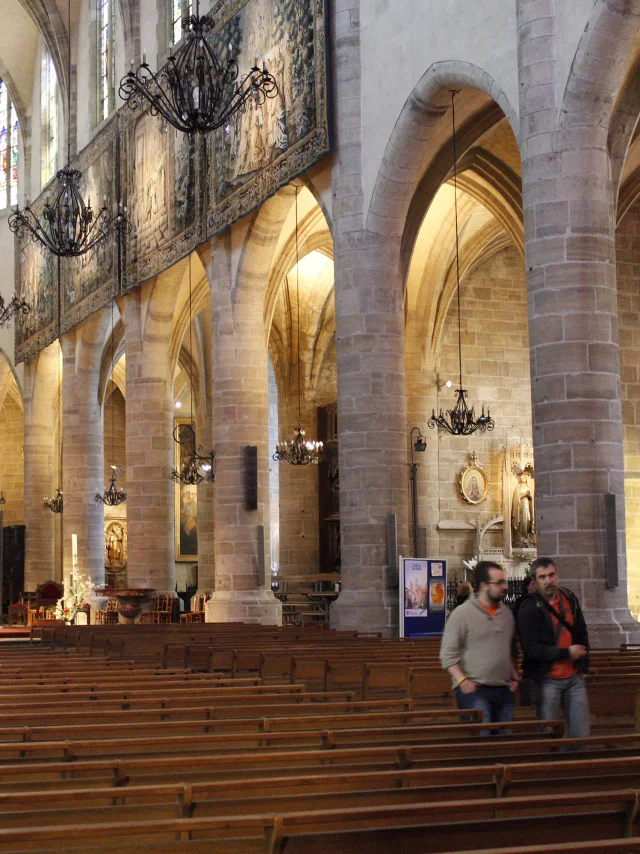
186	506
161	171
473	483
37	285
264	146
89	282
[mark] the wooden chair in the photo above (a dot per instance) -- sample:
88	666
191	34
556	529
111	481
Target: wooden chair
161	611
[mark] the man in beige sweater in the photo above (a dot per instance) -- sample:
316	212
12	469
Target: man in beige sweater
478	648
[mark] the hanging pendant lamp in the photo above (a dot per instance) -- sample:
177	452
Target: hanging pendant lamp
299	451
461	420
112	496
68	227
196	92
197	467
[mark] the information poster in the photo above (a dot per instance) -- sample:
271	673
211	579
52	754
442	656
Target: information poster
423	593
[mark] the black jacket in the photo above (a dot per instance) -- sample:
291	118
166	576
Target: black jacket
538	639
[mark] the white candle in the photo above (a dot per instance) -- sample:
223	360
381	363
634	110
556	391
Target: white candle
74	550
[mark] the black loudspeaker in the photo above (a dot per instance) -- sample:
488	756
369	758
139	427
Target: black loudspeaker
251	477
611	540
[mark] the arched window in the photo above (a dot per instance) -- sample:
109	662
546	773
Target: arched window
49	119
105	54
181	9
8	149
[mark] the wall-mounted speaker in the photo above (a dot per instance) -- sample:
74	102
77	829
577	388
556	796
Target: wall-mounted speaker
611	540
251	477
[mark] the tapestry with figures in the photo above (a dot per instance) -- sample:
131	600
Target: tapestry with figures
180	190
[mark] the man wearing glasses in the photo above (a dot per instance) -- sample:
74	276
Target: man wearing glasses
478	648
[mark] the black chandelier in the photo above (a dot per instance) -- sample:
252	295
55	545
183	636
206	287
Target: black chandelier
55	504
68	227
15	306
197	467
461	420
298	452
195	92
112	496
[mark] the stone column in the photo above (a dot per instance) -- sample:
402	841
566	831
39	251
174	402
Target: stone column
240	417
206	490
148	312
370	364
573	329
40	465
83	449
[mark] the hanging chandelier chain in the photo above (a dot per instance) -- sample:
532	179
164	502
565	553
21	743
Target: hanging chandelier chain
461	420
69	83
299	451
454	92
298	309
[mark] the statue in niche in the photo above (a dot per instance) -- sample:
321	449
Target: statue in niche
523	527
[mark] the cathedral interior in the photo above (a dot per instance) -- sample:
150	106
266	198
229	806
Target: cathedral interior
307	307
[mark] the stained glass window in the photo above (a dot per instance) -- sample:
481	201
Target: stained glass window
4	144
13	175
181	10
49	116
8	150
105	59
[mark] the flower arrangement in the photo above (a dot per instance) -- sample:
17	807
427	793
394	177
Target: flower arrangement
81	587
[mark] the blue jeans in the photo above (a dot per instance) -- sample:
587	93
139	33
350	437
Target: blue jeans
496	702
570	695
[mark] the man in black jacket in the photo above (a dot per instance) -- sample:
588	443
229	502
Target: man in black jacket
556	649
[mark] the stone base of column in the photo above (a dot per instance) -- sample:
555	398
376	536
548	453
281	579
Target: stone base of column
610	628
366	611
244	606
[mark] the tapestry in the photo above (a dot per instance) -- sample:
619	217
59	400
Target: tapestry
181	190
264	147
89	282
161	172
37	284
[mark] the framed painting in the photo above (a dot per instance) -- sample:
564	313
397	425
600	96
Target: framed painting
186	507
473	483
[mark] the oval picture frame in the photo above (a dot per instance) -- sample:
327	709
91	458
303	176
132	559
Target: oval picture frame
473	482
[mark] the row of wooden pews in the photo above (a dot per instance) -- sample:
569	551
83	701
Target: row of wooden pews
292	740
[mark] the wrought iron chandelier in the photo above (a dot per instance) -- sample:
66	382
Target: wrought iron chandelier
298	452
195	92
459	421
197	467
55	504
112	496
68	227
15	306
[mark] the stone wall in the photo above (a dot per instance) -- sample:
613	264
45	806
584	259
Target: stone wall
12	461
628	279
495	363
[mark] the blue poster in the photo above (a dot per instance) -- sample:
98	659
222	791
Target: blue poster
423	594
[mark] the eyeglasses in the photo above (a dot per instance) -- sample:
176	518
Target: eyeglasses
503	583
